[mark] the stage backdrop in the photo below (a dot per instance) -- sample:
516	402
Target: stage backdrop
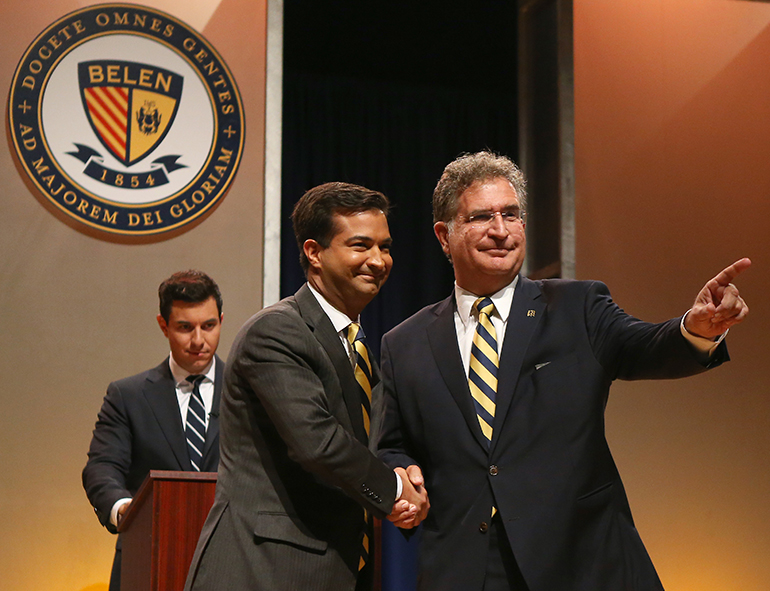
77	312
672	137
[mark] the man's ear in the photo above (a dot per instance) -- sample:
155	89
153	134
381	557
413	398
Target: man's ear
441	230
313	252
163	325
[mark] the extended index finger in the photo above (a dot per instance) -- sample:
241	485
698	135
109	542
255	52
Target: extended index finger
728	274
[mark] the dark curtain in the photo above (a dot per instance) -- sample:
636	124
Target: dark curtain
395	138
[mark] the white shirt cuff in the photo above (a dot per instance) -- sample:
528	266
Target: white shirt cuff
114	513
702	345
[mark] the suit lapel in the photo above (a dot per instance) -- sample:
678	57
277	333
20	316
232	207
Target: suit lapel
324	332
442	336
212	431
526	312
160	393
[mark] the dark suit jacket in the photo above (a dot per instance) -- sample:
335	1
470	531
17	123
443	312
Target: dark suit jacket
296	471
139	429
548	470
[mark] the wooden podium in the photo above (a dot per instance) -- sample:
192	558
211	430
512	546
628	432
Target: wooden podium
161	527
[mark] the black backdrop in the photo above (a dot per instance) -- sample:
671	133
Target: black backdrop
385	94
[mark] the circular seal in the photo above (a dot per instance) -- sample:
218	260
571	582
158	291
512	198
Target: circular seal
127	122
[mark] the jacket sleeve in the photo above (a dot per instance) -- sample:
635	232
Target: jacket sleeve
109	457
631	349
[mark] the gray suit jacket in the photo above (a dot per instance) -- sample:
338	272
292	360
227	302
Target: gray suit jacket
296	472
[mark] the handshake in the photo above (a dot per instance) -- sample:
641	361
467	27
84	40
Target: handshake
411	508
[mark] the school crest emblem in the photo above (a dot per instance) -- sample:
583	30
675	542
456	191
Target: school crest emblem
127	122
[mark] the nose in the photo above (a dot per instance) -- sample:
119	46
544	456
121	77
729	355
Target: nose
196	339
497	226
376	260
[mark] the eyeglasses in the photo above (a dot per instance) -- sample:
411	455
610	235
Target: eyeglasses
483	219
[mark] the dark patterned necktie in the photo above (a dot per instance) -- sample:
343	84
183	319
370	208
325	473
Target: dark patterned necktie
363	371
195	425
482	375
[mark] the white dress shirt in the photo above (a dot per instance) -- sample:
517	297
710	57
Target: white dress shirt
184	388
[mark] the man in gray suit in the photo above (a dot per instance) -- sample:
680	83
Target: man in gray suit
143	422
298	484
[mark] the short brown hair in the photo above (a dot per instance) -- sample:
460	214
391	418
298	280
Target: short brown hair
187	286
467	169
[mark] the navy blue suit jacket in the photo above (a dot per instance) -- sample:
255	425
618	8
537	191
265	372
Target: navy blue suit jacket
548	471
139	429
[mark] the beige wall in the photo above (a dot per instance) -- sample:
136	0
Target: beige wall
76	312
672	141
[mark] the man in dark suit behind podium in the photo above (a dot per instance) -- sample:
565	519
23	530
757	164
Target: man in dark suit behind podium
498	394
165	418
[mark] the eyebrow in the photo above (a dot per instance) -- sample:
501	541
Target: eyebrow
366	239
504	208
212	319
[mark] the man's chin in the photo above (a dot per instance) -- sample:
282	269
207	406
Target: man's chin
197	364
370	284
500	267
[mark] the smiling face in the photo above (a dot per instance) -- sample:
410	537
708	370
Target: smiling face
487	257
193	333
355	265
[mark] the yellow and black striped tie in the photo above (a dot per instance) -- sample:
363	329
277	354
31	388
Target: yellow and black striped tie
363	371
482	376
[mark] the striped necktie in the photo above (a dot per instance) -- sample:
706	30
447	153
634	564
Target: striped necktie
482	376
195	425
363	372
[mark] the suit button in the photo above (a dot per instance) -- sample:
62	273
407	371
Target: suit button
483	527
493	470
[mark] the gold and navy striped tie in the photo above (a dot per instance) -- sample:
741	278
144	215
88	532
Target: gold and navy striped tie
482	376
363	371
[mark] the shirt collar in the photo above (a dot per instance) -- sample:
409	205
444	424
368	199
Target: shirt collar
340	320
180	374
501	299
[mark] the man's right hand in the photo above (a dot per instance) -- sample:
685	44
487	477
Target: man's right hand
122	511
412	506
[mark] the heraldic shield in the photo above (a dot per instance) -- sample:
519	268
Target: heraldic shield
130	106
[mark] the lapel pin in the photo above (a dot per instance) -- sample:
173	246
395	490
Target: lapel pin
530	313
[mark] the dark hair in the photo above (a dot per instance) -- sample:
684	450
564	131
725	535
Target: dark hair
467	169
313	215
187	286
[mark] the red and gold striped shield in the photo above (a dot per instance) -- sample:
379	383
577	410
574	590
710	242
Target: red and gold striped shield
130	106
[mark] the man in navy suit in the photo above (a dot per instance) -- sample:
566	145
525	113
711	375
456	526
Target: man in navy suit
498	393
143	422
